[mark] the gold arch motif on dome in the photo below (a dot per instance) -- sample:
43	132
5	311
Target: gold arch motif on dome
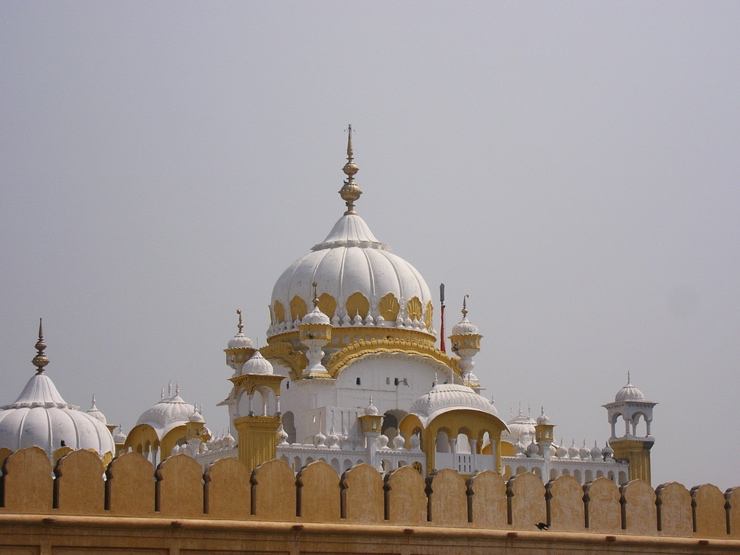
429	316
327	304
279	312
413	308
362	348
298	308
389	307
357	303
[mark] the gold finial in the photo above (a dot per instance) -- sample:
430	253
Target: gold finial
239	326
315	295
350	191
465	308
40	360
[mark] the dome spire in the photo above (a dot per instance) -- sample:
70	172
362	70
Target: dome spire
239	326
350	191
40	360
465	305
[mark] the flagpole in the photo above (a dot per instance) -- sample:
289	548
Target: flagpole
442	315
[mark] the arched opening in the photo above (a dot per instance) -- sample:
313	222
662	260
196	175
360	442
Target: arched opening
577	476
537	472
463	444
622	478
442	443
335	465
390	423
553	474
520	470
589	476
288	421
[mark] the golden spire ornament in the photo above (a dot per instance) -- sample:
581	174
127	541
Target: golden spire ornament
350	191
40	360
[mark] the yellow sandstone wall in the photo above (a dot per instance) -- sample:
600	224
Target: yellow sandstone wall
78	506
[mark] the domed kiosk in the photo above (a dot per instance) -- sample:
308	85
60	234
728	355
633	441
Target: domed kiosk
41	417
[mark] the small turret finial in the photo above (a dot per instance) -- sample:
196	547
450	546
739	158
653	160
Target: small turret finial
629	380
40	360
465	305
350	191
239	326
315	294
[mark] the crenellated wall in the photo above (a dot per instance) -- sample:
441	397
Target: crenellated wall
79	485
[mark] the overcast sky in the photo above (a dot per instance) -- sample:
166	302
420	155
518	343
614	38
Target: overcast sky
572	166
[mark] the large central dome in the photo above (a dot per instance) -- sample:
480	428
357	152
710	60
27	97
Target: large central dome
359	282
355	274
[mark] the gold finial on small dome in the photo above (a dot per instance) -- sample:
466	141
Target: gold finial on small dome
465	305
350	191
239	326
315	294
40	360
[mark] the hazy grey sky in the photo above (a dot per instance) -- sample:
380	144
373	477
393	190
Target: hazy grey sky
572	166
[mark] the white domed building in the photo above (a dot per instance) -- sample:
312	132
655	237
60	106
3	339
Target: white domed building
41	417
351	323
166	426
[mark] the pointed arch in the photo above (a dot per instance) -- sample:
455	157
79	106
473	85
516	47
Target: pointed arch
298	308
389	307
413	308
278	312
357	302
327	304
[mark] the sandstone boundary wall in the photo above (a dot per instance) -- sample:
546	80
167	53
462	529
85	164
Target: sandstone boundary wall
79	498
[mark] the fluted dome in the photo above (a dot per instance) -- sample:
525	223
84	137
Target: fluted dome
464	327
521	428
629	393
169	413
240	341
348	261
41	417
257	365
95	412
316	317
446	397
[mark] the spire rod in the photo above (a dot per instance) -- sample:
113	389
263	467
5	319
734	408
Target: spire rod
350	191
40	360
239	326
465	305
315	294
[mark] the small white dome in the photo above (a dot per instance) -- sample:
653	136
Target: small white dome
197	417
629	393
596	453
169	413
120	437
543	418
371	410
464	327
257	364
521	428
446	397
96	414
316	317
240	341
